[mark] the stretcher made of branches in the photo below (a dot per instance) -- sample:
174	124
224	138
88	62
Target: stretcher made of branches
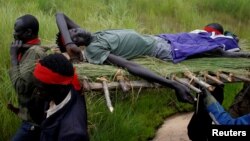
194	73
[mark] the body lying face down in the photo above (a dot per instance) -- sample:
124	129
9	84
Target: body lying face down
212	41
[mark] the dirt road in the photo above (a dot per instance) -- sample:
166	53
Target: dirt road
174	128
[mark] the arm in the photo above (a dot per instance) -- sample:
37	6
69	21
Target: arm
70	23
64	24
21	75
182	92
219	115
14	47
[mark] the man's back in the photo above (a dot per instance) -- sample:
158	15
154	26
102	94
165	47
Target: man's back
124	43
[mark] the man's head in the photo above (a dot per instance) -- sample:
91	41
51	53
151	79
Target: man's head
214	27
79	36
26	28
53	77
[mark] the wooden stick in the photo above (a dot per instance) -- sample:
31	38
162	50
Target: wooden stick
120	79
96	86
124	86
197	103
224	76
114	85
198	81
186	84
214	79
106	93
107	96
86	85
243	78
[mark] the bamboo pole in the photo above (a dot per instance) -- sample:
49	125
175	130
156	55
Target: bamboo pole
198	81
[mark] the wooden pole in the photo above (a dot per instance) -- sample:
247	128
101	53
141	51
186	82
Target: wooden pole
86	86
223	76
242	78
198	81
106	93
120	78
182	81
95	86
214	79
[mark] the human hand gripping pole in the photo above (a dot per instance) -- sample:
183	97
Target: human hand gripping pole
183	94
208	99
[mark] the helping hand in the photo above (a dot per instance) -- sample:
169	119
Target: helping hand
207	97
183	94
74	52
205	92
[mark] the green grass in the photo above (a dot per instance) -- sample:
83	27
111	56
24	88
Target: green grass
230	91
133	114
138	115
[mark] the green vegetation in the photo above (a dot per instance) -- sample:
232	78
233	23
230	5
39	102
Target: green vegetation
139	113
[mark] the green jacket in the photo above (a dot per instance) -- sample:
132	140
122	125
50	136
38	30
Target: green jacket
22	79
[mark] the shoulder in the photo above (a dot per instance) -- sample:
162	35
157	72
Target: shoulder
36	49
35	52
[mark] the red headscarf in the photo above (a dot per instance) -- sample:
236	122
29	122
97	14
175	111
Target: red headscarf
211	29
35	41
47	76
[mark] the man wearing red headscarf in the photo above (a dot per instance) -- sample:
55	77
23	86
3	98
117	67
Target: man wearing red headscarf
65	111
24	51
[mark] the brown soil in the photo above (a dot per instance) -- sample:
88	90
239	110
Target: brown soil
174	128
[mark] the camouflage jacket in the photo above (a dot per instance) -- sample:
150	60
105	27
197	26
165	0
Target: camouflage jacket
30	105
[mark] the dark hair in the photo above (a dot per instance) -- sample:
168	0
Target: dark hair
59	42
87	37
58	63
31	22
216	26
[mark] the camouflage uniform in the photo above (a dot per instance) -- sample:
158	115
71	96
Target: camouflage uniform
22	79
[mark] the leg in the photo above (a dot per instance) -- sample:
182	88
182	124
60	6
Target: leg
200	123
